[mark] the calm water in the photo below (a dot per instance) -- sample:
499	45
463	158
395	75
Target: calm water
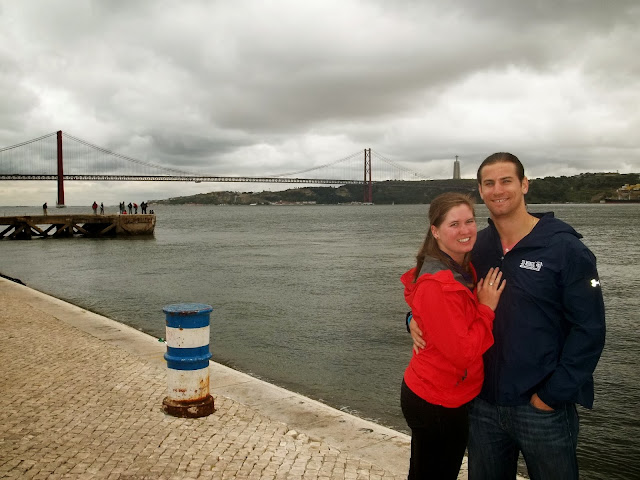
309	298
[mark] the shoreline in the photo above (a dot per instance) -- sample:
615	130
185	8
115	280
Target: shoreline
16	280
307	418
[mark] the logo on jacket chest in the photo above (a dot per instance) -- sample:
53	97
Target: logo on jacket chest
529	265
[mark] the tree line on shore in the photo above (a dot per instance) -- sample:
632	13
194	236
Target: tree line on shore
583	188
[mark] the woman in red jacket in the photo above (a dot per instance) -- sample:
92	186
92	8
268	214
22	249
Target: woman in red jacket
456	316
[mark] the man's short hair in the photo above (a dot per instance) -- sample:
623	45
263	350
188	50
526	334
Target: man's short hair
501	157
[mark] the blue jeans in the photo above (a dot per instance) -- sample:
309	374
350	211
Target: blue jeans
547	440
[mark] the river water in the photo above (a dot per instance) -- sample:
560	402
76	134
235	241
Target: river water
309	298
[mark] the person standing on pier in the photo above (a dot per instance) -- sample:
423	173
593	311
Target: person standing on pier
44	207
95	208
135	208
101	208
456	314
130	208
549	334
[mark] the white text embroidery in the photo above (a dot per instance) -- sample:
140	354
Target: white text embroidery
529	265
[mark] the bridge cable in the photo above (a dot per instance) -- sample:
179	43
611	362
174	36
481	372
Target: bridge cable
319	166
27	142
400	167
133	160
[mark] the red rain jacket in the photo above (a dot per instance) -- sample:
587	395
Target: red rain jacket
457	329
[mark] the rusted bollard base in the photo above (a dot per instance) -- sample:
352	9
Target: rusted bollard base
199	408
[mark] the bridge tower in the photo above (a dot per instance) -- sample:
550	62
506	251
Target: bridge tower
60	202
368	190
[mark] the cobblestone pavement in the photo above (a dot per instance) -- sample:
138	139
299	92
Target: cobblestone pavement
76	406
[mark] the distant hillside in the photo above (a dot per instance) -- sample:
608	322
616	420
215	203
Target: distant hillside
383	193
583	188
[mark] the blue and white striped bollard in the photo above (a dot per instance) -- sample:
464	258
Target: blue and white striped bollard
188	360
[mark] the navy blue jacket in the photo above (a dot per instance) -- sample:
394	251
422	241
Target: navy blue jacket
549	328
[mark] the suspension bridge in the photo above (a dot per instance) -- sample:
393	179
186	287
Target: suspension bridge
46	158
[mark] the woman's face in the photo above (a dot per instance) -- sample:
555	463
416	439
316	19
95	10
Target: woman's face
456	235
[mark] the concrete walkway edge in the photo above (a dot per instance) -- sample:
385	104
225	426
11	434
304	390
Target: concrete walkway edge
309	422
381	446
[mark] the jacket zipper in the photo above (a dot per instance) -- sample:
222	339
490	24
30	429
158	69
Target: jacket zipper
502	262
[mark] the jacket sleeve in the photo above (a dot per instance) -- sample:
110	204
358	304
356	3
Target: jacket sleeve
459	327
583	308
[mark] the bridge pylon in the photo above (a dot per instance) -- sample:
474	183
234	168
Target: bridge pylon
60	201
368	187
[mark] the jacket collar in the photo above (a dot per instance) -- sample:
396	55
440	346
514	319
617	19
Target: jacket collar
542	233
432	266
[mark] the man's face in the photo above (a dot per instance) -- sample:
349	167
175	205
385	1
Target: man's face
501	189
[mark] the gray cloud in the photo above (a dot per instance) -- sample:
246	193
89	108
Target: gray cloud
253	88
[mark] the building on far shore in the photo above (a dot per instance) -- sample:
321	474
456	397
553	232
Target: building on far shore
628	191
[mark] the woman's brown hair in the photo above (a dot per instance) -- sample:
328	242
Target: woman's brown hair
438	209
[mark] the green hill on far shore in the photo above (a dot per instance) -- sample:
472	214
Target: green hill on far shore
583	188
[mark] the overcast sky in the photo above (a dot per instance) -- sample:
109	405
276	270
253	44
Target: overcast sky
265	87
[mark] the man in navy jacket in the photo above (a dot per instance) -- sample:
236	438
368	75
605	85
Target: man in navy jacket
549	333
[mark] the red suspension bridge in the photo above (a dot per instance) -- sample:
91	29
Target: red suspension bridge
45	158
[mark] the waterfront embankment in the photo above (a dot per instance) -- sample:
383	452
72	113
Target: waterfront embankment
83	395
26	227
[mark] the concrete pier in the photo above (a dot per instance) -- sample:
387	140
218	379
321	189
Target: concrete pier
57	226
82	398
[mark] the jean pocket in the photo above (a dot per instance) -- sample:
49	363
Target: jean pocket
540	411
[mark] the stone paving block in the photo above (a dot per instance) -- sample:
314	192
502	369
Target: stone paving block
77	406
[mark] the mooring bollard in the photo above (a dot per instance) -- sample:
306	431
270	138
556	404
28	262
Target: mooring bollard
188	360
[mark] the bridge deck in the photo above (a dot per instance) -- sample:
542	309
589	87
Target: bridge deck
26	227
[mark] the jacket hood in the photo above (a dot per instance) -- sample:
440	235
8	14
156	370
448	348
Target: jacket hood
432	270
